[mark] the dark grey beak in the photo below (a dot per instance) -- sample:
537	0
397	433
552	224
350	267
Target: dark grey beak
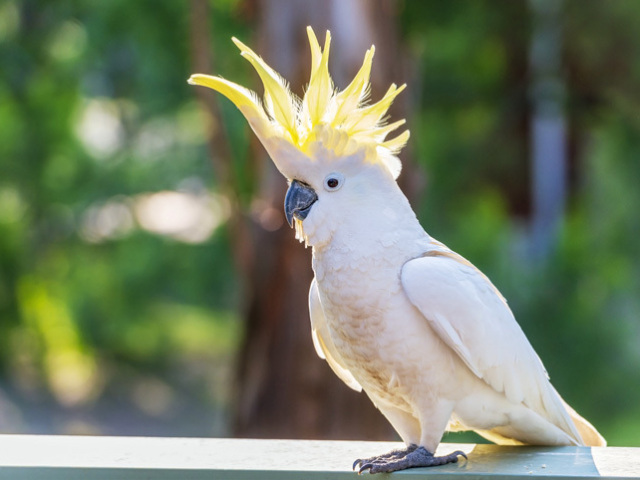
300	197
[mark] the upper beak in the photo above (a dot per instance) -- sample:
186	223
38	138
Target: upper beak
300	197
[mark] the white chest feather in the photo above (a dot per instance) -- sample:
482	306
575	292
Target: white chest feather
372	324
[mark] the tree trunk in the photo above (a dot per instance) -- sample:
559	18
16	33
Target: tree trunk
548	128
284	389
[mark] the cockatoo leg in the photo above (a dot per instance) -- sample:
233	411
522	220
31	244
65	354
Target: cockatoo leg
412	456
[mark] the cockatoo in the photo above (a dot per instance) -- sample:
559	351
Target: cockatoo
393	311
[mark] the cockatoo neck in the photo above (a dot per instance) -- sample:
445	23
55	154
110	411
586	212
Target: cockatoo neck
370	223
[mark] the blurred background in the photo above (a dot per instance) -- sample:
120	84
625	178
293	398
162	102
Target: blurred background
148	282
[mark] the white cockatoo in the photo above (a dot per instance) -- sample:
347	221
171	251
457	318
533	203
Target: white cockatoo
393	311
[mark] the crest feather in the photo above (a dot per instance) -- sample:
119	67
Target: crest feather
320	90
396	144
278	98
246	100
341	121
357	91
368	117
381	133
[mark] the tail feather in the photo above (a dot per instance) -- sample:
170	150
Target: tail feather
590	436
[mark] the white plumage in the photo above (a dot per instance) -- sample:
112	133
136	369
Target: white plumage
421	330
394	312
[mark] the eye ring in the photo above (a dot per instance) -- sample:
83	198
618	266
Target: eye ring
333	182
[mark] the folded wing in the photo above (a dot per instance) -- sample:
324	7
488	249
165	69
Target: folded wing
473	319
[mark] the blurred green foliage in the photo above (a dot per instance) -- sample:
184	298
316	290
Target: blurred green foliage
96	115
101	306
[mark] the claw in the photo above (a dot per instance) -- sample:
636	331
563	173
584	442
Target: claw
412	456
454	455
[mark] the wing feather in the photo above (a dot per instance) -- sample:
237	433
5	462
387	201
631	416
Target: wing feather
473	319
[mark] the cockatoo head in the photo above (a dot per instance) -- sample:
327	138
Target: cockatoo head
331	145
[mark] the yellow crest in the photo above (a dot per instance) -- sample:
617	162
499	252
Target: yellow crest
340	121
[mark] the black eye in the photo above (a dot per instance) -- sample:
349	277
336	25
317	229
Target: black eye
333	181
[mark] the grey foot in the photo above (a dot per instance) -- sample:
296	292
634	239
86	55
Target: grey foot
412	456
